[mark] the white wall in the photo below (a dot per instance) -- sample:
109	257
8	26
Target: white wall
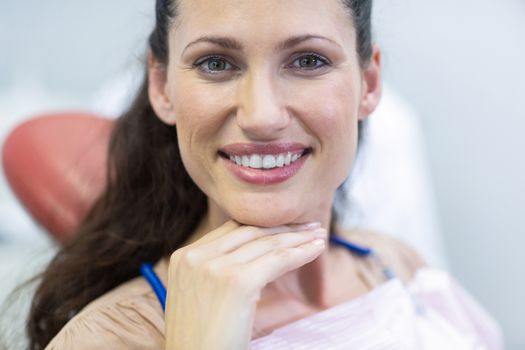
460	63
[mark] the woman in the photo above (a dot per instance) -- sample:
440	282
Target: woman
223	173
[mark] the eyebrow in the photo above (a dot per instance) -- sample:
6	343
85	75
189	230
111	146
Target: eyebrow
233	44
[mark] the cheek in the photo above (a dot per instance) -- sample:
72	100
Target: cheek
199	114
331	115
200	109
196	107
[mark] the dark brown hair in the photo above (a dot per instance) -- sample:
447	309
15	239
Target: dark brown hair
148	209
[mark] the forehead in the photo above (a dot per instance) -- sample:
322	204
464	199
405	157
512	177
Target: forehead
263	20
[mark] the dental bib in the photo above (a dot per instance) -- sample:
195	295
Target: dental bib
432	313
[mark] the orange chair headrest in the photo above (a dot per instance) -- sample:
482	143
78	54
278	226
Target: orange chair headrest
56	165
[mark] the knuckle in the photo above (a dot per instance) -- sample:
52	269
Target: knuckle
175	257
190	258
212	269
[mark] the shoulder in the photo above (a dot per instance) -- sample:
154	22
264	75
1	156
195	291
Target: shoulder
128	317
397	255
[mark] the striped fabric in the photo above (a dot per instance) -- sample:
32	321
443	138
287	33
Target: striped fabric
432	312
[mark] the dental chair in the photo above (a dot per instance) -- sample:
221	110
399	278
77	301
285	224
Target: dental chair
55	164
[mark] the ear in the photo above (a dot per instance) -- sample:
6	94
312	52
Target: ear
371	93
157	87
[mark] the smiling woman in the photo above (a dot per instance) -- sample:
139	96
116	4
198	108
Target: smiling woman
273	84
223	173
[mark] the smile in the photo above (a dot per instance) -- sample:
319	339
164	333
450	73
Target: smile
266	161
264	164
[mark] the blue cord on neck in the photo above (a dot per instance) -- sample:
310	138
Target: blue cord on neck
146	269
354	248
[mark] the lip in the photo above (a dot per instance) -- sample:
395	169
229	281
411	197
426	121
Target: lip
264	176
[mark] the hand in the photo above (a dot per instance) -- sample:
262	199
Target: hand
214	284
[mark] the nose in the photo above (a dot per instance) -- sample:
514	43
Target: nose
260	113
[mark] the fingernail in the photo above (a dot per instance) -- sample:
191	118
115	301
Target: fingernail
318	242
310	225
320	232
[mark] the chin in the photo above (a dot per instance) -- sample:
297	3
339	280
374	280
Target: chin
265	217
270	209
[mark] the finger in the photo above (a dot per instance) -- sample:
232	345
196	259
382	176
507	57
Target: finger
245	234
232	225
276	263
256	248
233	240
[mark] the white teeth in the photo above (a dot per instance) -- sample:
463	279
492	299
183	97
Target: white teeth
256	161
288	159
266	161
280	161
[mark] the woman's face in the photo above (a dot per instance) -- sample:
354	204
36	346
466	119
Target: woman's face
253	85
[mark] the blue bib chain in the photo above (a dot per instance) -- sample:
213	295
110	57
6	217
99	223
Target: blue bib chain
156	284
365	252
158	287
